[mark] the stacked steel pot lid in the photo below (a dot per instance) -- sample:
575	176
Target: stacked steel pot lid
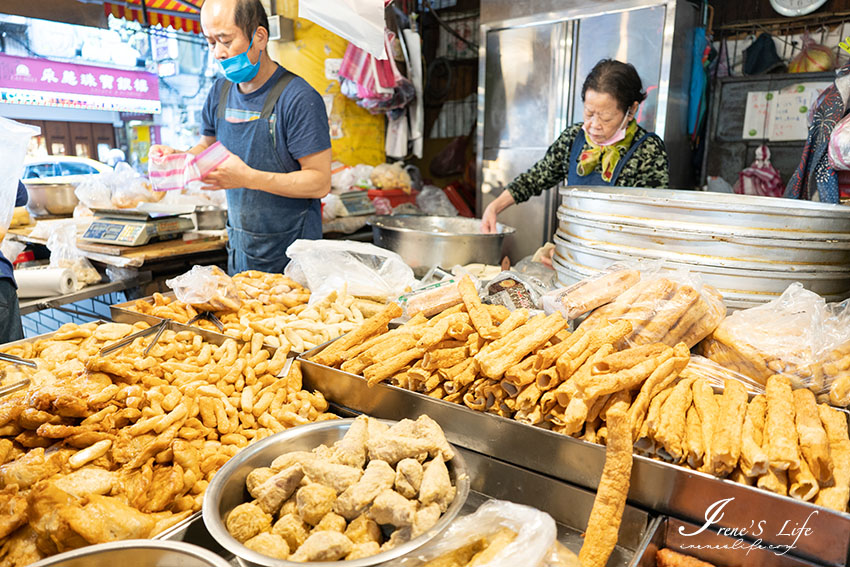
750	248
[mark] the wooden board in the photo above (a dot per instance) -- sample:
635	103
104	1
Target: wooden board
140	254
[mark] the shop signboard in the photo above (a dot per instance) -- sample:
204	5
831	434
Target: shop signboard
24	80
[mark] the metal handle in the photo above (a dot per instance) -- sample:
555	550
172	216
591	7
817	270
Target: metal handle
18	360
6	390
107	350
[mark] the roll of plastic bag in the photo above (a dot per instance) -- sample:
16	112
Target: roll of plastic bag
45	282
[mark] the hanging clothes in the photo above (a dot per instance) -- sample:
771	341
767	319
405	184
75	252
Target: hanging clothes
814	176
761	178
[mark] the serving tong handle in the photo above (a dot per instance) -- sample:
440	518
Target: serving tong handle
209	316
6	390
156	330
18	360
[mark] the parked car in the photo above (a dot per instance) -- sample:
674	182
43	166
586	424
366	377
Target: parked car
50	182
62	166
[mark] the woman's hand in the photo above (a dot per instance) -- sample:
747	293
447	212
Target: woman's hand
233	173
489	224
488	219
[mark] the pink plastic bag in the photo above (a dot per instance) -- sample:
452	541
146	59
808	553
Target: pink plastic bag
176	171
374	77
761	178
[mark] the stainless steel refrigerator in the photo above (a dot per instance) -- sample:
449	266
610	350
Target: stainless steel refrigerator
533	59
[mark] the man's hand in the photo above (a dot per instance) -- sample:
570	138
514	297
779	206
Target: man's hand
233	173
158	150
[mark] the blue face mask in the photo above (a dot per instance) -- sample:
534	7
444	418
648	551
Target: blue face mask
239	69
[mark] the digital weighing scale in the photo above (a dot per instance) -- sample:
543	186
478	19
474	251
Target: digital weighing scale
136	227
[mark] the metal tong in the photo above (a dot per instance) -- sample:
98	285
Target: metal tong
18	360
156	330
209	316
6	390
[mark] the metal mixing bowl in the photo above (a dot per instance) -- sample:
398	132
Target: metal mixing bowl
136	552
424	242
46	197
227	490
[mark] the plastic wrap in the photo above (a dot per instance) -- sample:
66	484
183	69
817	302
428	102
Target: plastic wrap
433	201
431	299
94	193
669	308
206	288
796	335
64	253
585	296
363	269
532	547
701	367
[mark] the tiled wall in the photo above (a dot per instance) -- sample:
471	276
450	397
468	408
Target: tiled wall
48	320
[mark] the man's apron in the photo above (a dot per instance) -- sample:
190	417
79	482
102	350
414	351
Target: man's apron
260	225
595	177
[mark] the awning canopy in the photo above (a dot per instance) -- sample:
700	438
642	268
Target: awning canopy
182	15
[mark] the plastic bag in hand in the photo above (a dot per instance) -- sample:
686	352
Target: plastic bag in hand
206	288
534	538
363	269
64	253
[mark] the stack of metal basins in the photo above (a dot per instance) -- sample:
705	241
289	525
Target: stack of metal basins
749	248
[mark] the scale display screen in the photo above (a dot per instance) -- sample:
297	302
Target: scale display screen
114	232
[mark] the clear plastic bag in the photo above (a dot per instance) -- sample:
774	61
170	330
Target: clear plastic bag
94	192
669	307
64	253
11	249
363	269
206	288
433	201
798	335
585	296
382	205
14	138
391	176
532	547
432	298
702	367
129	188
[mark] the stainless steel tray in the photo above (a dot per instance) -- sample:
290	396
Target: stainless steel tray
745	211
718	245
710	546
658	486
740	280
490	478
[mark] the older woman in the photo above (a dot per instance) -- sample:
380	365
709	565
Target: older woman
608	148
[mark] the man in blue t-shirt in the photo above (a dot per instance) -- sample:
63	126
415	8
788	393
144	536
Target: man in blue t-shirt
10	314
275	126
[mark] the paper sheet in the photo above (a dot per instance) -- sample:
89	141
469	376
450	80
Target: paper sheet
780	115
757	115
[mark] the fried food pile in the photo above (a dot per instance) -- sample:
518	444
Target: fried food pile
535	371
274	306
105	448
330	503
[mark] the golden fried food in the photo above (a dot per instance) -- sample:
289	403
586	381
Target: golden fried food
338	510
670	558
607	512
104	448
